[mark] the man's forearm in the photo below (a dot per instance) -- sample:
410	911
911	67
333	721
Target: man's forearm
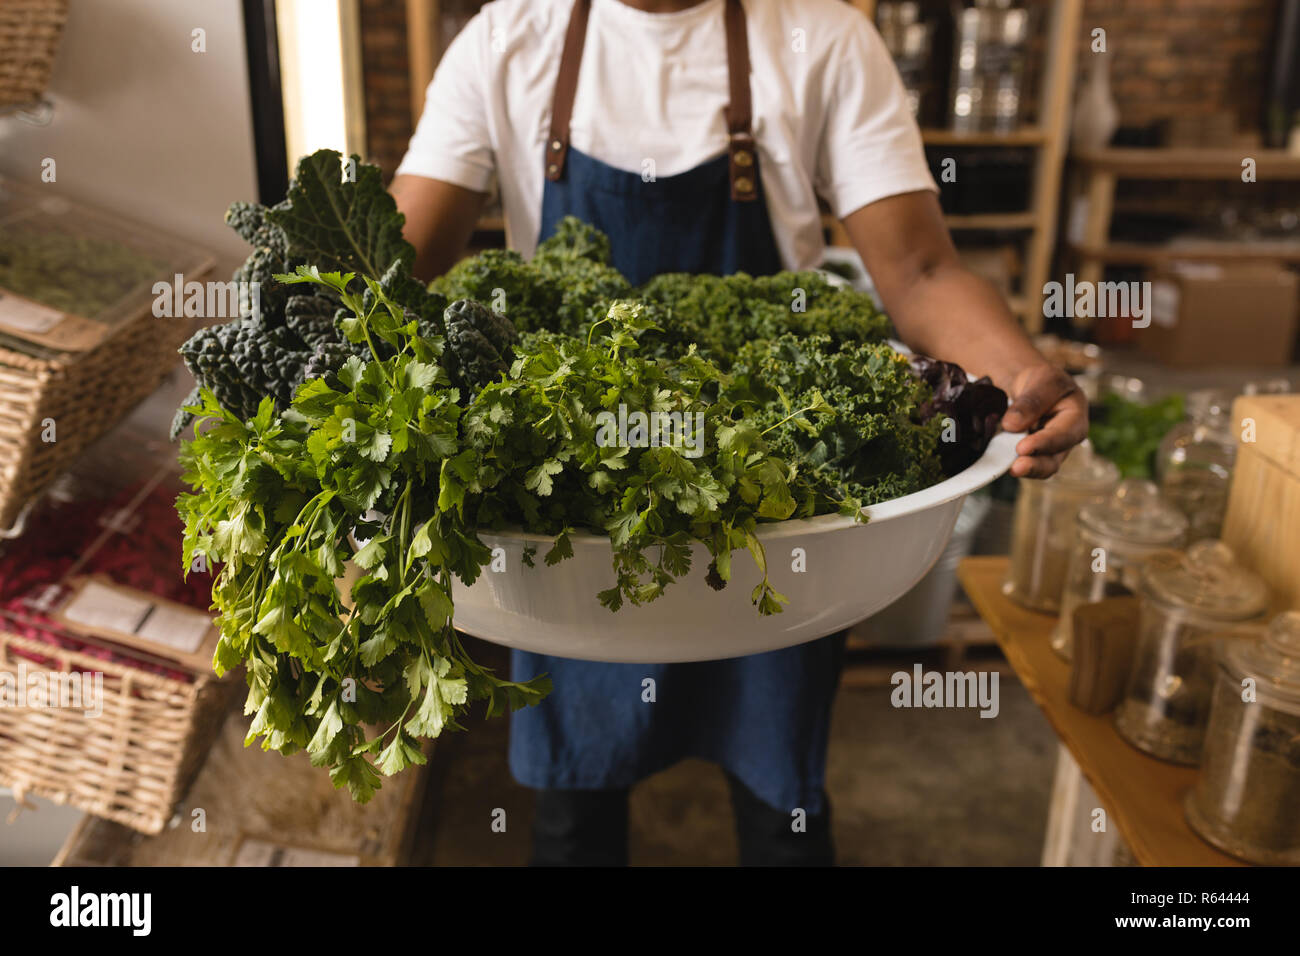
950	313
440	218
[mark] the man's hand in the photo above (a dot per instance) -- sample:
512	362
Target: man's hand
943	310
1046	402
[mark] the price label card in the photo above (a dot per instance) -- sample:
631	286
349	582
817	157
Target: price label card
23	315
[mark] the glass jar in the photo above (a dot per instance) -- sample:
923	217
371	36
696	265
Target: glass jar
1194	463
1246	800
1042	533
1114	537
1187	597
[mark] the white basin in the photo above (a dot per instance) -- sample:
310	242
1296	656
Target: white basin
852	571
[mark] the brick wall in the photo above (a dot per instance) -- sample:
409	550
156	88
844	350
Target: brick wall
1185	56
385	67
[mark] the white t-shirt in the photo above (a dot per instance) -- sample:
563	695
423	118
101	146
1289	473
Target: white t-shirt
829	113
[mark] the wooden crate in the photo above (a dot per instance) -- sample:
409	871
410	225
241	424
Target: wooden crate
262	808
1263	520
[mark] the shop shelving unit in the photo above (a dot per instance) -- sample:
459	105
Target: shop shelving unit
1048	136
1142	796
1100	170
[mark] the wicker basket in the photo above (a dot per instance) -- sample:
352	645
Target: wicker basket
29	37
83	393
133	762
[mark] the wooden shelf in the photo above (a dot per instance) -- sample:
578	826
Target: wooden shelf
1183	163
1142	796
1137	253
992	220
1025	136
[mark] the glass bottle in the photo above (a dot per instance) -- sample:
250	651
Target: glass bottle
1114	537
1194	463
1043	528
1187	598
1246	800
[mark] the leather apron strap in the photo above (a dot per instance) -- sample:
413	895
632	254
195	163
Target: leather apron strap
740	138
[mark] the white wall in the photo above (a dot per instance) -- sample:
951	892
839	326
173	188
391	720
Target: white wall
142	125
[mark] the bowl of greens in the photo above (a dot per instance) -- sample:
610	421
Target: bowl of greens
829	572
540	453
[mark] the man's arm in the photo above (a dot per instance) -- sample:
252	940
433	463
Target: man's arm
943	310
440	218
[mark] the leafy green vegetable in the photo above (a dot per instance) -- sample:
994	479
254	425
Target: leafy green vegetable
333	218
275	500
341	222
1129	432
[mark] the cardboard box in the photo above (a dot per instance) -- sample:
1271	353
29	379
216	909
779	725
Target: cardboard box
1206	314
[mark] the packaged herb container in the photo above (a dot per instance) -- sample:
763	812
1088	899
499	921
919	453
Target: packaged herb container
1187	599
1247	798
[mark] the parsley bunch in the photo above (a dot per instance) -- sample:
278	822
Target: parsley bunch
354	680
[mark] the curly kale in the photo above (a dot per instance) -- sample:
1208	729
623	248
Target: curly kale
722	313
874	446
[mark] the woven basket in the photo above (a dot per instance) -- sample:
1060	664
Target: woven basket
133	762
83	394
29	37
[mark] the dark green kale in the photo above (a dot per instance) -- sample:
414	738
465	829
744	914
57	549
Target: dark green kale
480	344
332	218
241	363
311	318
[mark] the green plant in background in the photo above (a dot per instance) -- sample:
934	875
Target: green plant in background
1129	432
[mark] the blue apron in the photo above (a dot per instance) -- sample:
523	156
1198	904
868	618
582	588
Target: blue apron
765	717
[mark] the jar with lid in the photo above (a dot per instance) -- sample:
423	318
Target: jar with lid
1114	537
1187	597
1246	800
1194	463
1043	529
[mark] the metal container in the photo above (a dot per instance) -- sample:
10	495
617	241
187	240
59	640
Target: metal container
1114	537
1247	798
1043	530
1188	598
